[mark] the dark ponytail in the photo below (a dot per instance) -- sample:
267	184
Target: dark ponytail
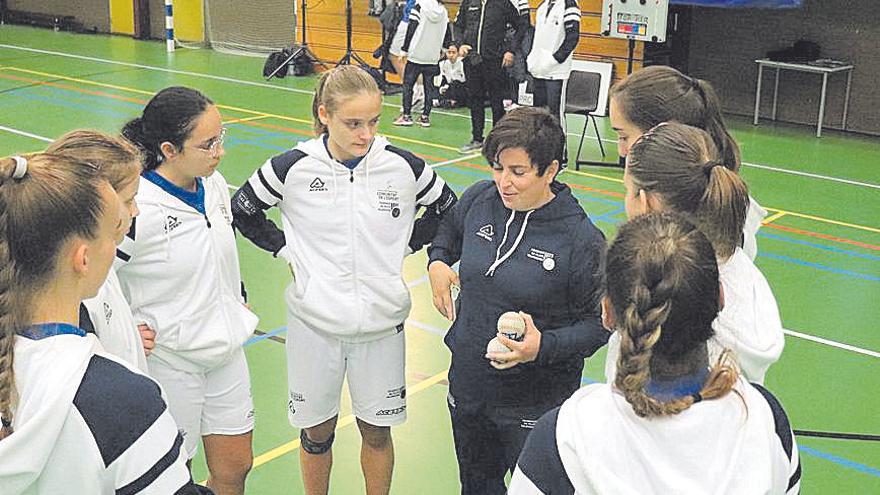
168	117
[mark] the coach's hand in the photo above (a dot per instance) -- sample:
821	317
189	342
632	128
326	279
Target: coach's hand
507	61
148	338
443	278
520	352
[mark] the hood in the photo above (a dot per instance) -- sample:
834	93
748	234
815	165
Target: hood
47	376
316	149
561	208
749	324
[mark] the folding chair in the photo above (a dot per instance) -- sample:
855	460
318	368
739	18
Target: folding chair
583	97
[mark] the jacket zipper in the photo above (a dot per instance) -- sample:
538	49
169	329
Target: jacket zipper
480	28
352	218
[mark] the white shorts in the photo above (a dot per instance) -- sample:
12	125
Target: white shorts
317	364
214	403
396	47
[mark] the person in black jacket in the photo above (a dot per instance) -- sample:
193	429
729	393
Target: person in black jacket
479	31
524	244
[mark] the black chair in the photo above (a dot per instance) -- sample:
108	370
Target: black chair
582	98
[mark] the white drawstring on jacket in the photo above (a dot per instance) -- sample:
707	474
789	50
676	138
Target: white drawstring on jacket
522	231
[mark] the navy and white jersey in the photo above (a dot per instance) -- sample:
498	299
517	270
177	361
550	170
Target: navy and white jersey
557	30
345	232
546	262
428	32
87	423
178	267
741	443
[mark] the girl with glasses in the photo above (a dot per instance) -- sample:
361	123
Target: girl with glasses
179	268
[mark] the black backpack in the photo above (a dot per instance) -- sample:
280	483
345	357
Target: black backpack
276	63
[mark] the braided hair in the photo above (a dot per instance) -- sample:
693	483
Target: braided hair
662	281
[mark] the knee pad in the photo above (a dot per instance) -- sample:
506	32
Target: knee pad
315	448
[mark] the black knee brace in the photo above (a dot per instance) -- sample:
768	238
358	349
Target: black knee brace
315	448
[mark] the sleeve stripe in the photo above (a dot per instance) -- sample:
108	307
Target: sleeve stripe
267	173
153	474
261	193
427	189
573	10
266	186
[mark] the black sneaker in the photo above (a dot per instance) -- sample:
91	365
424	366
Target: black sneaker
471	146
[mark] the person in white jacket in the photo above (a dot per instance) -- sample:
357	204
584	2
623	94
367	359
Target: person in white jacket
658	94
674	167
108	314
557	30
179	270
673	420
75	418
428	35
348	202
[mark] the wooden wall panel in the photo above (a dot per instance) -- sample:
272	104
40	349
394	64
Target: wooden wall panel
326	33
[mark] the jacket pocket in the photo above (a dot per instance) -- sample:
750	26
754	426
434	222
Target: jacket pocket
208	338
386	302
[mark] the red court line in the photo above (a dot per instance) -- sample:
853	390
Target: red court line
428	156
822	236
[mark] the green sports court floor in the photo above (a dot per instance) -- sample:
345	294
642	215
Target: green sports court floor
820	248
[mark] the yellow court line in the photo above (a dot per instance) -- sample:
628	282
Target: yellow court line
246	119
772	218
826	220
225	107
407	140
347	420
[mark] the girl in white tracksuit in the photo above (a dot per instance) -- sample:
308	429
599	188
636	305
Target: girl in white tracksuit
108	314
348	202
179	269
674	420
674	167
557	30
658	94
75	418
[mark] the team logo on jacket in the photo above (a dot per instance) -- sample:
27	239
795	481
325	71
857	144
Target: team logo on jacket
171	223
486	232
389	201
317	185
546	258
108	312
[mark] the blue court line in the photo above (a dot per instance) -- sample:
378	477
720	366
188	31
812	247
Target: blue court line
607	217
818	266
792	240
235	141
69	104
258	338
840	460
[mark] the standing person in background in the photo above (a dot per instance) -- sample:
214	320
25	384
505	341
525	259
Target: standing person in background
674	420
108	314
479	30
179	269
659	94
75	418
674	167
525	244
348	202
429	35
557	30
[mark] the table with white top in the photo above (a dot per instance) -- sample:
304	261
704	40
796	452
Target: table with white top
803	67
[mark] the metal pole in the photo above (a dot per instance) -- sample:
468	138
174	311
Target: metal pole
758	92
822	104
169	26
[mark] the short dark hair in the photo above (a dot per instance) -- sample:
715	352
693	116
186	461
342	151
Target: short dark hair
534	130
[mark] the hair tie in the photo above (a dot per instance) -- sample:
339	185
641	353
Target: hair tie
21	166
708	166
695	83
697	397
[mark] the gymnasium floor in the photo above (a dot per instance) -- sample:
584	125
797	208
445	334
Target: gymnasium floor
820	248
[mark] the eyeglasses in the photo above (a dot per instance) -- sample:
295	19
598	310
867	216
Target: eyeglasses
213	147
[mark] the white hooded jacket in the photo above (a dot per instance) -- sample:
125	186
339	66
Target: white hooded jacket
179	270
114	324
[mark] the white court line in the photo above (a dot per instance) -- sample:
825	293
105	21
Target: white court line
455	160
387	104
25	134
